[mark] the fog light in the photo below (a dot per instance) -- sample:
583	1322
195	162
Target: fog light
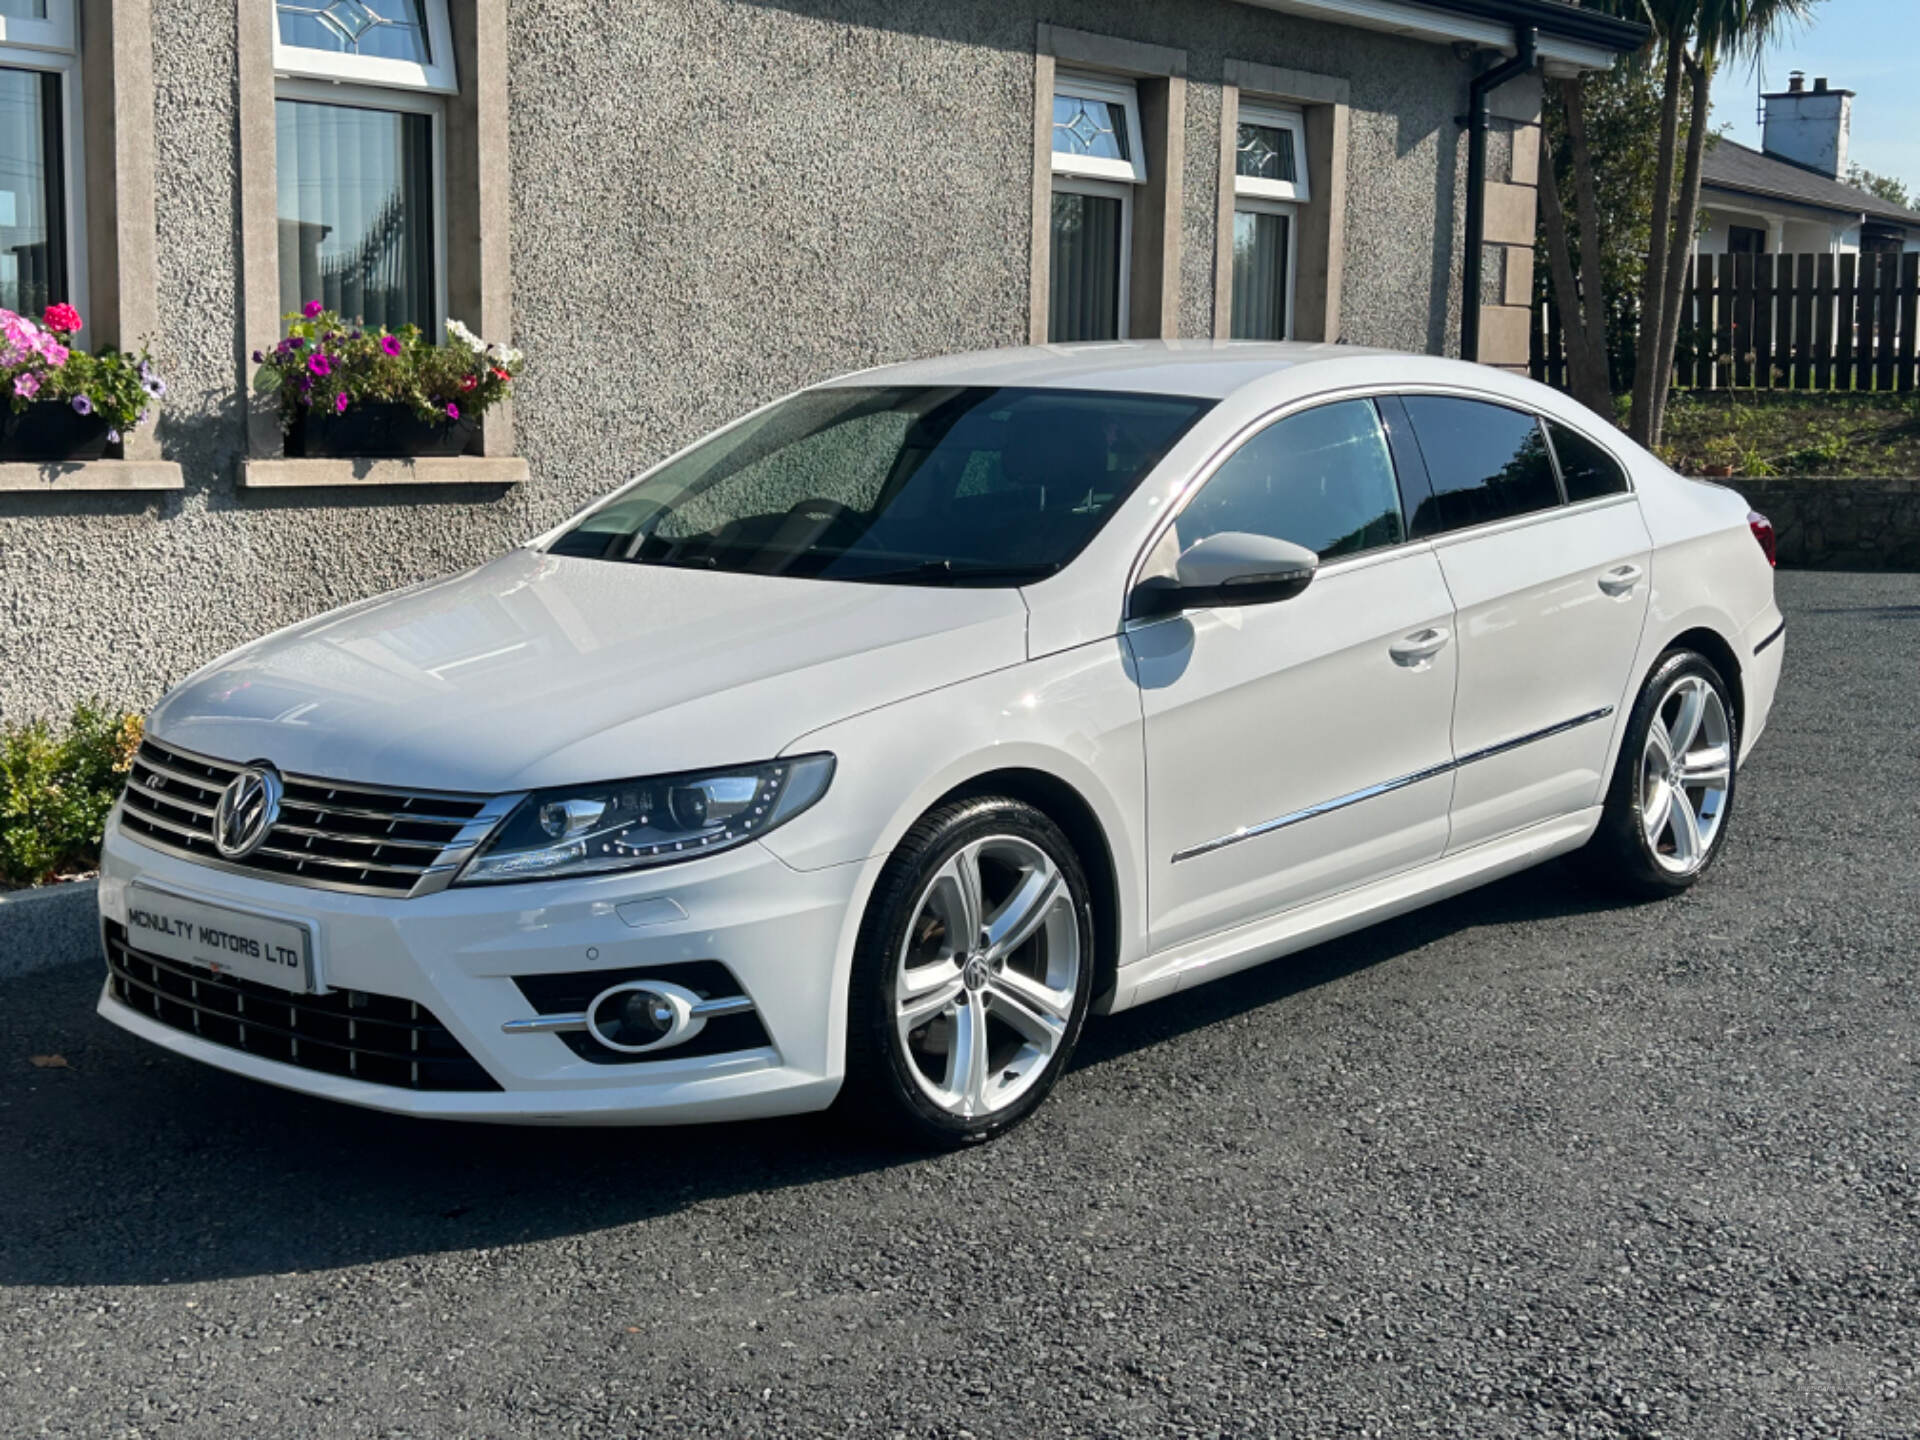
643	1015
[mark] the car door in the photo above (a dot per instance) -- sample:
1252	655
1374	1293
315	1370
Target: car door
1297	748
1549	599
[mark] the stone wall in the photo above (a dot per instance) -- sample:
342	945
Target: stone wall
712	202
1841	524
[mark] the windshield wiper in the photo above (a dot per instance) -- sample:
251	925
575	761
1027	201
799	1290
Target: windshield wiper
948	572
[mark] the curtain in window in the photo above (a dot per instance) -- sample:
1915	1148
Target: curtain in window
1260	245
357	212
33	239
1084	298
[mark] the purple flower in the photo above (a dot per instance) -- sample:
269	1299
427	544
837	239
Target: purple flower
312	309
154	386
320	365
453	411
258	357
340	403
82	405
390	344
113	437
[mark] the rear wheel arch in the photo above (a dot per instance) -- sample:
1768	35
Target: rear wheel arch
1724	658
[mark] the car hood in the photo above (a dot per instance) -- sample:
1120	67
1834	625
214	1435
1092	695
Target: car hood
541	670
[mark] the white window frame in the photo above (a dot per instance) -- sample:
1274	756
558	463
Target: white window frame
1276	117
51	46
1107	190
437	77
1256	205
1113	91
363	97
56	32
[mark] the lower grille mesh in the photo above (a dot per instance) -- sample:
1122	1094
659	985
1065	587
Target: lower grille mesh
376	1038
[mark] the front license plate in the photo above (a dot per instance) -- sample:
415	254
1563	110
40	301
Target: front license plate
212	937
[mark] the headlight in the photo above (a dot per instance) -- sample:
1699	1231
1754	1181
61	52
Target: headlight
632	824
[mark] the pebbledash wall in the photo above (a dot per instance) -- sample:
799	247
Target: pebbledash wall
711	202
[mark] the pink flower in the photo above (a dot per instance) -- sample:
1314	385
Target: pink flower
320	365
52	350
453	411
340	402
390	344
312	309
26	386
62	319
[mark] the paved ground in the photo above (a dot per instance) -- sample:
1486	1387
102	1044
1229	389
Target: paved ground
1520	1164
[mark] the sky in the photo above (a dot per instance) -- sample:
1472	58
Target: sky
1871	47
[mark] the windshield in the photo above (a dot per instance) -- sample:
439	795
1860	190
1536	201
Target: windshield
901	484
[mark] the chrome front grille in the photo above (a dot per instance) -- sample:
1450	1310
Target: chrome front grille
329	833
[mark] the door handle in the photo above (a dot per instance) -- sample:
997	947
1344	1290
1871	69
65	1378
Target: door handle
1620	579
1415	650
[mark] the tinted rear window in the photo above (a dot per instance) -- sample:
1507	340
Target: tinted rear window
1486	463
1587	471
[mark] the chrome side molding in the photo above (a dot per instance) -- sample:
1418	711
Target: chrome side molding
1387	787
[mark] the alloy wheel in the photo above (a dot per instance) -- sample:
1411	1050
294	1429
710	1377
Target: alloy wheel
1686	771
987	975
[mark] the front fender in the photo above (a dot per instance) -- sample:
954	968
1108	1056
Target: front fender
1074	715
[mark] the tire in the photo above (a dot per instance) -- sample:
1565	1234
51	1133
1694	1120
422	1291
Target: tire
1645	846
922	1006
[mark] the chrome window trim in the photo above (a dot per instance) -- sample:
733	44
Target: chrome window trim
1205	470
1386	787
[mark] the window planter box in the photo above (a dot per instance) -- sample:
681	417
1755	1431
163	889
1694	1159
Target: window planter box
51	430
375	430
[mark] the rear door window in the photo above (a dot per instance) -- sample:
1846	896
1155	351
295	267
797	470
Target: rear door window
1587	471
1486	463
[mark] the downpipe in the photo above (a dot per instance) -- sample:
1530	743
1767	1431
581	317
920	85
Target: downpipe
1477	118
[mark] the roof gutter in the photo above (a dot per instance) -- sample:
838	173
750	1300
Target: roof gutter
1479	115
1572	38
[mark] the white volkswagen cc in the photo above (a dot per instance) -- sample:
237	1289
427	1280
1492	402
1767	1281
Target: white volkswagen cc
866	747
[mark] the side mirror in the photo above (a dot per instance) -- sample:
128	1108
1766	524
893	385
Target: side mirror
1231	568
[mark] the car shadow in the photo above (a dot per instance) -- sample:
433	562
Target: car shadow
126	1165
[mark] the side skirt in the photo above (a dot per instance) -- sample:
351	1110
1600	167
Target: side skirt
1213	956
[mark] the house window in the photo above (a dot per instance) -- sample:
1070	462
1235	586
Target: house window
360	121
42	221
1269	182
1098	159
1746	240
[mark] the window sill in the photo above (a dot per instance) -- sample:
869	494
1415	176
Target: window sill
425	470
61	476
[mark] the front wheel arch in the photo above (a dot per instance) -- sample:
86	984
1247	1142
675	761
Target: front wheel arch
1061	803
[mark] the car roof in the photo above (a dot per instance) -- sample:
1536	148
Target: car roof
1210	369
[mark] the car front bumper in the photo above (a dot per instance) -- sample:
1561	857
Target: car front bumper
785	935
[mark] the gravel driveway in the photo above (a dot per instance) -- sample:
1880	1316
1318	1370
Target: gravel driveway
1524	1163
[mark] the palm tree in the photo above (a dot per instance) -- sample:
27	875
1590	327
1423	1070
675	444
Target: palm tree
1693	37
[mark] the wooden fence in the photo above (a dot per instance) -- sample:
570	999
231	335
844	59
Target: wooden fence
1783	322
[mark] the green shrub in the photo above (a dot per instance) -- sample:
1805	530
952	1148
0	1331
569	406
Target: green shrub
56	786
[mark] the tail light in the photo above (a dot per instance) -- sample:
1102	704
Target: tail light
1762	529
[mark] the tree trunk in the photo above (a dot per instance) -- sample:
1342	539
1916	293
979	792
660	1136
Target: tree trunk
1586	201
1586	380
1654	285
1685	223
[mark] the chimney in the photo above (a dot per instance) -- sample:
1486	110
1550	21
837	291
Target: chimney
1809	128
